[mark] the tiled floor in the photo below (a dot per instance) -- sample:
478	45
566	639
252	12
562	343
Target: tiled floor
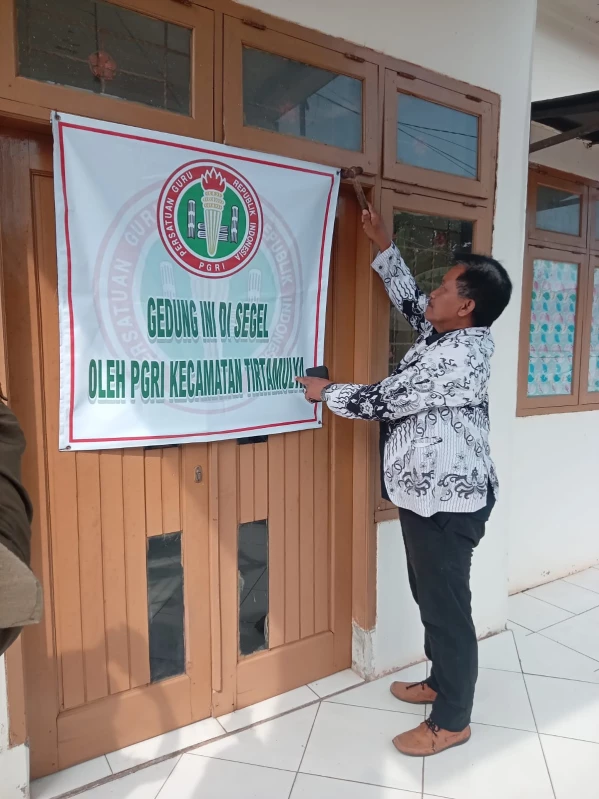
535	728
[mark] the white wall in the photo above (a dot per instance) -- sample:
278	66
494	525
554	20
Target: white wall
554	525
14	763
488	44
565	55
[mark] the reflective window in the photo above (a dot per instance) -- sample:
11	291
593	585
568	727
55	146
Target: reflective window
297	99
106	49
433	136
165	607
252	556
558	211
427	244
552	328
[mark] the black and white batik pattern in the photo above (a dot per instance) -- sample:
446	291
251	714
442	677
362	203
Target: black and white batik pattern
436	406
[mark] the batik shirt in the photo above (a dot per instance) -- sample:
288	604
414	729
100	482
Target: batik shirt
435	405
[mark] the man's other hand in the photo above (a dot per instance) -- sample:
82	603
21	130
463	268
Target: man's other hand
374	227
314	387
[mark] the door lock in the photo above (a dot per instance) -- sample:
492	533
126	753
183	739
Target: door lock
199	476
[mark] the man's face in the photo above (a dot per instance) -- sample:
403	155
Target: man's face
446	309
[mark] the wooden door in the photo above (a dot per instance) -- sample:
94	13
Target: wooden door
300	484
93	678
99	675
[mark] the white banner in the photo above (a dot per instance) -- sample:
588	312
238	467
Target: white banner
192	286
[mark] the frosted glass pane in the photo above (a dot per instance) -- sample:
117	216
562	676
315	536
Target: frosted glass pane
594	355
552	328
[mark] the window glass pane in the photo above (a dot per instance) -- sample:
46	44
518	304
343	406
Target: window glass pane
297	99
558	211
165	607
252	554
428	245
433	136
594	356
597	220
106	49
552	328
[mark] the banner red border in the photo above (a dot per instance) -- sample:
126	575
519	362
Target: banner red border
61	126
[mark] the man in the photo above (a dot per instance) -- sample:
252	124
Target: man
20	592
437	466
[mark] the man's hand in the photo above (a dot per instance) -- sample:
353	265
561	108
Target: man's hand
314	387
374	227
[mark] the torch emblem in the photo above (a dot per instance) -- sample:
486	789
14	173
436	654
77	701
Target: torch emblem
213	202
210	219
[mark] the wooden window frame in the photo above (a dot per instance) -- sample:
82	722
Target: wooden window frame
555	246
406	200
556	240
589	399
68	99
486	111
238	34
593	217
532	405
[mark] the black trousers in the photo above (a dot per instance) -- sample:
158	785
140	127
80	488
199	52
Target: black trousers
439	553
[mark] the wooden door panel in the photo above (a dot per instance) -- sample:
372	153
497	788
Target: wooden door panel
306	521
276	541
93	694
134	522
292	538
310	475
114	571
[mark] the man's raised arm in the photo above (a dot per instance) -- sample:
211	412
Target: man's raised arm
399	281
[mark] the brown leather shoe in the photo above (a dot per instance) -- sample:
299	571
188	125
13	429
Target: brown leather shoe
416	693
429	739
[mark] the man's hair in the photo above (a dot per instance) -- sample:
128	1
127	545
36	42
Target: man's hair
485	281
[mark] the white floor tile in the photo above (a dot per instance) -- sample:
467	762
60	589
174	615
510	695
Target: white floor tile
376	694
70	779
279	743
143	784
495	764
355	743
574	767
565	708
491	705
518	630
534	614
335	683
205	778
268	709
566	595
165	744
588	579
499	652
580	633
541	655
310	787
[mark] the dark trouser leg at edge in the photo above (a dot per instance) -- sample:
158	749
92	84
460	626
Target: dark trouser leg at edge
439	552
